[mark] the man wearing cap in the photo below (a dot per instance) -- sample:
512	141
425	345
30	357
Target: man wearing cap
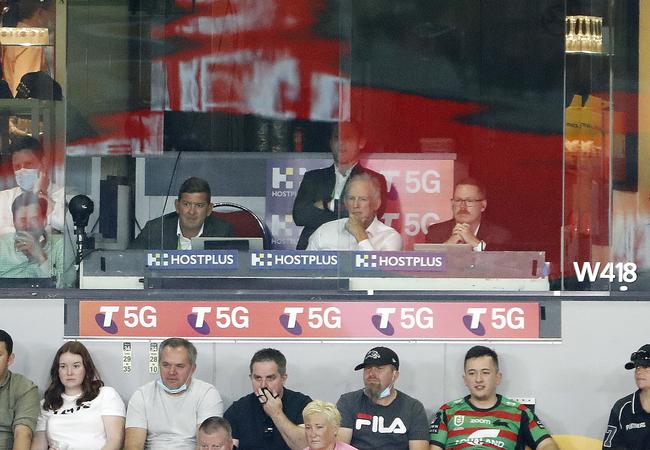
379	417
629	421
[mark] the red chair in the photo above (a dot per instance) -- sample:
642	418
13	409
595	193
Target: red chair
245	222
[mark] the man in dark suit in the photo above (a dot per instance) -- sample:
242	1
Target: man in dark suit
468	225
318	197
191	219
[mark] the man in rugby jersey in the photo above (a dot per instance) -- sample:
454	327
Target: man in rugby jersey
485	419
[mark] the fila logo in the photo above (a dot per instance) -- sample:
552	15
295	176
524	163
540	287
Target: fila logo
377	424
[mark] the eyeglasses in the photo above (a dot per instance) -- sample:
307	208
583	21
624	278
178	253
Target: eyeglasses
468	201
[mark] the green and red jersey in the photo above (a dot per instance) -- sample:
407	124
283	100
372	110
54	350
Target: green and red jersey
507	425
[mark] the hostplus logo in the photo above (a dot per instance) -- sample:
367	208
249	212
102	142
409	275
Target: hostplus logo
261	259
284	180
282	225
157	259
365	261
292	259
405	261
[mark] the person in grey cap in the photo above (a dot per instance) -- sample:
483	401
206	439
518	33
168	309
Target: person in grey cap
629	421
379	417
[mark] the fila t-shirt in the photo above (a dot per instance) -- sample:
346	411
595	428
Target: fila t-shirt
377	427
508	425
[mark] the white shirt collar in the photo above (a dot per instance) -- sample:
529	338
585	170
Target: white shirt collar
185	243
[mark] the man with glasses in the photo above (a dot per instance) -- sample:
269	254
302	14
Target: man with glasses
174	231
629	421
468	225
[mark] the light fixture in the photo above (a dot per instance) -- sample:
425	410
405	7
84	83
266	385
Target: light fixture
584	34
23	36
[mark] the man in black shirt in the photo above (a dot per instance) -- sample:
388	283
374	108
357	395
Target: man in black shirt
270	418
629	421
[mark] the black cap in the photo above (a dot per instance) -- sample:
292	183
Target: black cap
379	356
639	358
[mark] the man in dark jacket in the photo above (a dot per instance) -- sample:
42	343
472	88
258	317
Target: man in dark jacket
468	226
319	195
174	231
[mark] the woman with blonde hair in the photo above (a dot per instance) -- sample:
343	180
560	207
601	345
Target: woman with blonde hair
322	422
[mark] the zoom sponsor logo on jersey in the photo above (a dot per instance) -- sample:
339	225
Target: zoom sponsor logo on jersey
378	425
294	260
194	259
400	261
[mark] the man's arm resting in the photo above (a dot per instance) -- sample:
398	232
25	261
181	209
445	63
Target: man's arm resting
305	212
293	435
114	426
548	444
135	438
418	445
345	435
22	437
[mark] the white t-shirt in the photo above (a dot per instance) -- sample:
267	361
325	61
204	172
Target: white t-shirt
81	427
171	421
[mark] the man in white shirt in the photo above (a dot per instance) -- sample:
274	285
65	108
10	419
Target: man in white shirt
361	230
165	413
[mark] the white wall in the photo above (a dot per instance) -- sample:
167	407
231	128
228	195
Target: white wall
575	382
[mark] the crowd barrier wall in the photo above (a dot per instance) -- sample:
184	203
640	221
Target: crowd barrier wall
574	380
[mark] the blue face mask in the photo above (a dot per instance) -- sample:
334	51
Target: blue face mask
178	390
385	393
26	178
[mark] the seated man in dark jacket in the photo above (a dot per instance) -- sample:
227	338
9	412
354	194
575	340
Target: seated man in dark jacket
192	218
468	225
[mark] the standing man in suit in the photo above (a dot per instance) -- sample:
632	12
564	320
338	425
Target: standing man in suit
318	199
468	225
174	231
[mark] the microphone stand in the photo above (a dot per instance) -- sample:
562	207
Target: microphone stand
80	233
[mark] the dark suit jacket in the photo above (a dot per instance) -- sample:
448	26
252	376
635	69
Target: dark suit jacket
494	236
318	185
149	237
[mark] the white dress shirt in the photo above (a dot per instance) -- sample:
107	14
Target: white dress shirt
334	236
183	242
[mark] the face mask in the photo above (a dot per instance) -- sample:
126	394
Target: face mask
178	390
385	393
26	178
